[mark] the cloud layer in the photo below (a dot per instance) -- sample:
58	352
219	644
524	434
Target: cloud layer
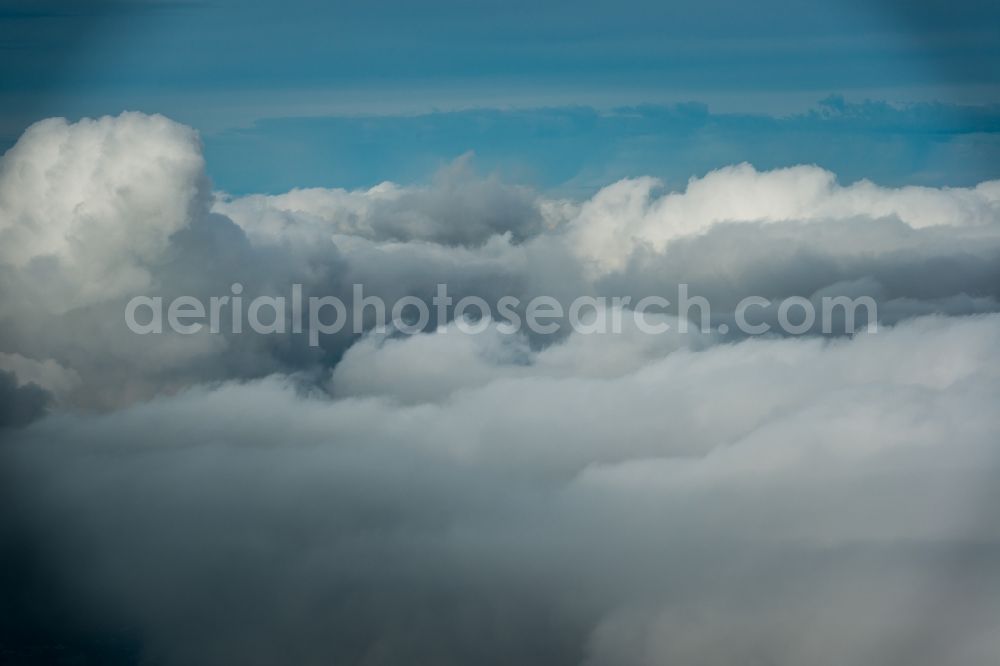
449	498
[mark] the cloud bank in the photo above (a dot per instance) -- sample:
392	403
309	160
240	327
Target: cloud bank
452	499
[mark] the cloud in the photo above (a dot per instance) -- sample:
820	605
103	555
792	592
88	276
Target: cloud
627	214
799	499
457	209
100	210
20	403
47	373
619	498
88	208
431	368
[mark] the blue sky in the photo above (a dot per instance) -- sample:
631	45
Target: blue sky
348	94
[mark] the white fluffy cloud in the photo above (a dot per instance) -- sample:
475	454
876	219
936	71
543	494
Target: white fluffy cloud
629	213
86	208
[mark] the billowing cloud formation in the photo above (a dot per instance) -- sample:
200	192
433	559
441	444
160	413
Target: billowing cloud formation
97	211
448	498
86	209
621	216
457	209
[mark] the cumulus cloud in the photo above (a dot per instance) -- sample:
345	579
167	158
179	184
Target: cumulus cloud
456	209
97	211
628	214
616	498
87	209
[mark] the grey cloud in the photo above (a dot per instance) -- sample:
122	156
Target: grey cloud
810	521
21	404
